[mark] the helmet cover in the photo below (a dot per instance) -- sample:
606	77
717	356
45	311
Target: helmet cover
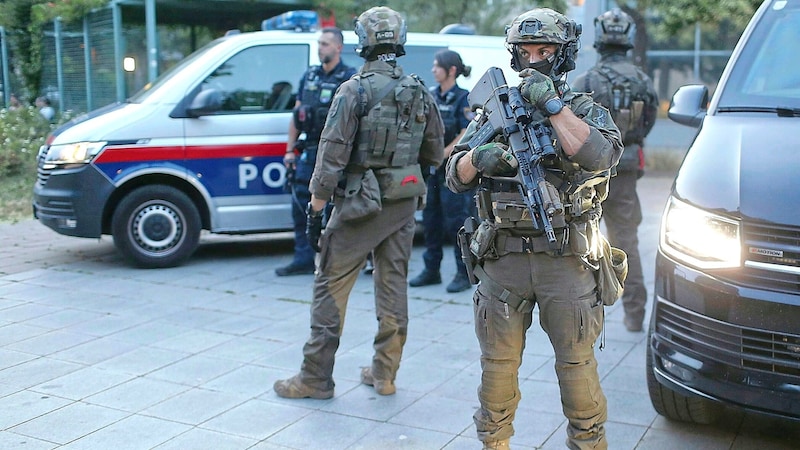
380	25
614	28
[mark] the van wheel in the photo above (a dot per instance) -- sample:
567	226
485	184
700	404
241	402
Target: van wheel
156	226
674	405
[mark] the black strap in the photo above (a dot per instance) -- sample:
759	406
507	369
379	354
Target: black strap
494	289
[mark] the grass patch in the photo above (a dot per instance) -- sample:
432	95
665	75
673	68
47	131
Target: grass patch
16	195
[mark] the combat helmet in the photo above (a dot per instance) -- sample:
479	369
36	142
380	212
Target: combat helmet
544	26
380	26
614	28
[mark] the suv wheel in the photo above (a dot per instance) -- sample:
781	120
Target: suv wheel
674	405
156	226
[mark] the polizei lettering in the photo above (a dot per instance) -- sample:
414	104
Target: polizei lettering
273	175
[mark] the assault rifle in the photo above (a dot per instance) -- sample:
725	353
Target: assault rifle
505	112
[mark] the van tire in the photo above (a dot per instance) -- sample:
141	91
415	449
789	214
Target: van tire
674	405
156	226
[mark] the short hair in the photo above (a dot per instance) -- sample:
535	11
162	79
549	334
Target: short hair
336	32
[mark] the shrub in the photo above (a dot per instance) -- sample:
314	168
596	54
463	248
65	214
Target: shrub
22	132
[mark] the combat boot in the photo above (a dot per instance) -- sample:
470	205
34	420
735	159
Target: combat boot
426	278
295	269
460	283
503	444
295	388
382	387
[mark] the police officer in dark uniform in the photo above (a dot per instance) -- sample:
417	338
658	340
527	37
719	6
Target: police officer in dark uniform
445	210
518	266
316	90
628	93
382	130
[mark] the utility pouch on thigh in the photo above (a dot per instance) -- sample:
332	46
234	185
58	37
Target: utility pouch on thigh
579	239
482	244
401	182
612	273
362	197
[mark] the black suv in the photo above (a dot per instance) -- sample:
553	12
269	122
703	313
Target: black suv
725	327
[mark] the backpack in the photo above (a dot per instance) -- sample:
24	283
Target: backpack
625	92
393	118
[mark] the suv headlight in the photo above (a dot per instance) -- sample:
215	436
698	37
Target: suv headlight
76	153
699	238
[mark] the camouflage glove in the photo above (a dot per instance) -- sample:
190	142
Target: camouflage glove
537	87
313	227
494	159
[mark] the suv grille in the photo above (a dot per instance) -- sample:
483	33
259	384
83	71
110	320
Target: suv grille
778	247
42	174
733	345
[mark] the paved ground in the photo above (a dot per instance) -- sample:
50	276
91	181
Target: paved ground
95	355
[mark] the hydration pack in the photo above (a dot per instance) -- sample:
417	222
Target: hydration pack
625	95
393	118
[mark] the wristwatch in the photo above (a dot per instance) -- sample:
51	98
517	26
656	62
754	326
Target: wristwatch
553	106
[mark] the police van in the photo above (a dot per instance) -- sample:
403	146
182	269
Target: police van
201	148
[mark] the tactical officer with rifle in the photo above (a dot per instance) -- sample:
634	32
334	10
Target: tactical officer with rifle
540	156
628	93
383	130
316	90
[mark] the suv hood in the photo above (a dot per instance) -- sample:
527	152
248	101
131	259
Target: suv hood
745	166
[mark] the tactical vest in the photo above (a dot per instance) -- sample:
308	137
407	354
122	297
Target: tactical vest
624	92
317	94
392	124
579	191
448	110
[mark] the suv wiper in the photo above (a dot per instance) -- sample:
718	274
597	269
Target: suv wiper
781	111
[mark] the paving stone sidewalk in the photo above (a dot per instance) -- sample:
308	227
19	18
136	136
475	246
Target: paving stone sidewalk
95	354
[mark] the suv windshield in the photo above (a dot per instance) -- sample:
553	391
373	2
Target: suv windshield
149	87
767	75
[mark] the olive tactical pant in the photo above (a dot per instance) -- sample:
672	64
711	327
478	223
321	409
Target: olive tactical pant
622	214
345	247
570	314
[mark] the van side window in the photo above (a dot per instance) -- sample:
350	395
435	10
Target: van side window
260	79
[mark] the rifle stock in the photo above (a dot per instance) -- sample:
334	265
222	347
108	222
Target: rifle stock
505	112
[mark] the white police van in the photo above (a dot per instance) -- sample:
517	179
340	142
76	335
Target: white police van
202	147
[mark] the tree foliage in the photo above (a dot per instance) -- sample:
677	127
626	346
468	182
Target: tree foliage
677	14
487	16
25	21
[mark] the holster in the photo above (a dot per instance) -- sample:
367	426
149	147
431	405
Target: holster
464	236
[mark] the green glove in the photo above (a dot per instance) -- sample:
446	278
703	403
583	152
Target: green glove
537	87
494	159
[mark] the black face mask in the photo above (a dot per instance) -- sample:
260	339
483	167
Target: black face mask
544	66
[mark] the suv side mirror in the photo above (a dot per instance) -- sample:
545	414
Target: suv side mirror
689	105
207	101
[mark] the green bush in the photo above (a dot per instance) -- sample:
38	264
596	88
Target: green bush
22	132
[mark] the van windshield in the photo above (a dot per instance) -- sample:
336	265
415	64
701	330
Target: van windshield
767	74
149	88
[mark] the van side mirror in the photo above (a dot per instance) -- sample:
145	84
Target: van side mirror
689	105
207	101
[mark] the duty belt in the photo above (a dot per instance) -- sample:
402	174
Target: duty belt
506	244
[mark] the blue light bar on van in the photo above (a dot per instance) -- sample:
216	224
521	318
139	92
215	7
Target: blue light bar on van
301	20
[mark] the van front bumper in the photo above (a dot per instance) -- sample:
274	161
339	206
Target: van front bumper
71	201
717	339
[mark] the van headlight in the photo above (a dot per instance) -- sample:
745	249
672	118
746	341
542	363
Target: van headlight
699	238
76	153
